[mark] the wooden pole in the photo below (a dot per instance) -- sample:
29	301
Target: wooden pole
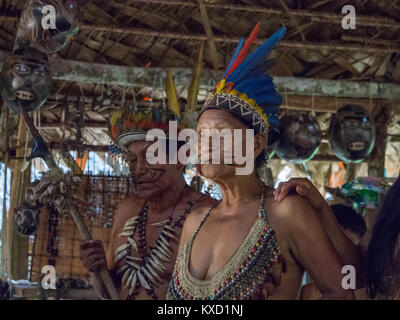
210	35
351	171
376	161
314	15
17	266
4	253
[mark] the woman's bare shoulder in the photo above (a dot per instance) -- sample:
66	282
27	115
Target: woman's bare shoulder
197	214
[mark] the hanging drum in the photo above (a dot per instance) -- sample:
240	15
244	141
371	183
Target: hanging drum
352	134
25	80
49	24
300	137
26	219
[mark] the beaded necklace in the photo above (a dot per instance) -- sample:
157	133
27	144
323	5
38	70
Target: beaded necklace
148	270
243	275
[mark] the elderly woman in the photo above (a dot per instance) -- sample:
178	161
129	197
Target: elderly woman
248	246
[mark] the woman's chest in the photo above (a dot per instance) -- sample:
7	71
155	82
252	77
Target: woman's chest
215	245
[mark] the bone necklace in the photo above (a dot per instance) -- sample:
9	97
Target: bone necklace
147	271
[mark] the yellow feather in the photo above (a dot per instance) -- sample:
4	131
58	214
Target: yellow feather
194	87
172	98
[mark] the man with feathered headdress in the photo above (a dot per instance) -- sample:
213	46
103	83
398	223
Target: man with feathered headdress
147	226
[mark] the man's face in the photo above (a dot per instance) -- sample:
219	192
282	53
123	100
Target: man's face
152	180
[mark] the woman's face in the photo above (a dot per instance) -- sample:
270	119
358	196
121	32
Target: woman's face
230	137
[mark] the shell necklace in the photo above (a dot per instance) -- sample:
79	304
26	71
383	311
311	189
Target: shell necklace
147	270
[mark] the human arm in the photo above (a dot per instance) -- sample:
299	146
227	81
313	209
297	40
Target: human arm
94	256
311	247
350	254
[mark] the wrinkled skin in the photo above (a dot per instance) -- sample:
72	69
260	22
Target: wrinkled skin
162	186
299	231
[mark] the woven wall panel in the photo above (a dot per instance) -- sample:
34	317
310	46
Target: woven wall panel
102	196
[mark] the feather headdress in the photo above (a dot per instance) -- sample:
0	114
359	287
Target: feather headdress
245	89
128	125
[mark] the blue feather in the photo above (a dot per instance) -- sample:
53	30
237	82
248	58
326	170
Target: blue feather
239	47
260	69
254	93
251	82
269	99
258	56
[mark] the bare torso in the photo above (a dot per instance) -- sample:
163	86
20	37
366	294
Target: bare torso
131	207
221	236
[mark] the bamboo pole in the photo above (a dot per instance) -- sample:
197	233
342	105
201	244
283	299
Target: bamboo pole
4	254
328	45
4	228
376	161
314	15
210	35
18	246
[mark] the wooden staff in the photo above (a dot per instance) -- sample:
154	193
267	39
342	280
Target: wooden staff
40	150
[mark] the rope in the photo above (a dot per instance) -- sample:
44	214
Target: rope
163	94
286	96
313	102
152	90
370	99
135	107
307	171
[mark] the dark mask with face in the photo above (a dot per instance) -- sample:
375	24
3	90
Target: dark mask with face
25	79
35	27
26	219
352	134
300	137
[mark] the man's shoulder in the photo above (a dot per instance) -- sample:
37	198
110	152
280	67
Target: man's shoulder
130	202
128	207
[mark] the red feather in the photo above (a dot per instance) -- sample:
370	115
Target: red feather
243	53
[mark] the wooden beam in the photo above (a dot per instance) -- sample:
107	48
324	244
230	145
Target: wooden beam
291	102
76	71
327	45
210	35
314	15
101	148
84	72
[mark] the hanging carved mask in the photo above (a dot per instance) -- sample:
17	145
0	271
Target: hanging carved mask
25	79
49	24
26	219
352	134
300	137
